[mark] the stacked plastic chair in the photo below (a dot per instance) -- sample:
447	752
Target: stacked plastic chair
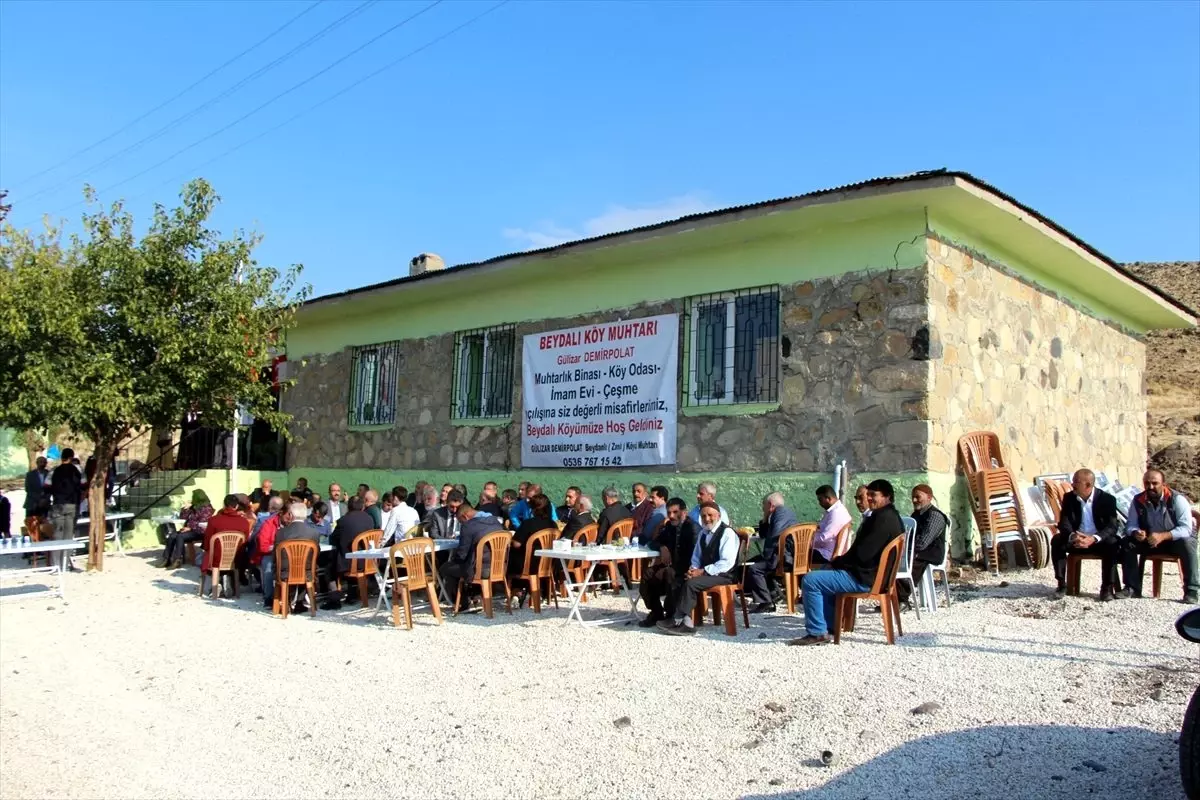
995	498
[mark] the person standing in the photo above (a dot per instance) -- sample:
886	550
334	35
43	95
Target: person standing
66	490
37	490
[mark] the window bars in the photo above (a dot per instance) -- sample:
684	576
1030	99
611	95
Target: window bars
483	373
373	374
731	347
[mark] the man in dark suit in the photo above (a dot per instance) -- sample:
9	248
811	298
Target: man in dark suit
356	521
37	490
581	516
567	509
296	529
461	564
1087	524
760	572
442	522
5	516
613	512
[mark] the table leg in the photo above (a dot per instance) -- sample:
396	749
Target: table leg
384	601
574	594
62	568
928	591
117	534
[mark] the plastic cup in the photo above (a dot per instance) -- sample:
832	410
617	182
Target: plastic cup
27	541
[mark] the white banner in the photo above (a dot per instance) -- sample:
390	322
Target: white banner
601	395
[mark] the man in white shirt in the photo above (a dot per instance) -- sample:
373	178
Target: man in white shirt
706	493
714	563
337	504
400	521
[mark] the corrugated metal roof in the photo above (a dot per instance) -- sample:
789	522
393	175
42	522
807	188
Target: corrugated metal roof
872	183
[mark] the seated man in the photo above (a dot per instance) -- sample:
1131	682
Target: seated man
658	515
854	571
580	518
356	521
261	497
461	564
302	492
836	517
1159	521
373	508
228	519
760	573
567	509
402	519
295	529
930	542
613	512
1087	524
860	501
714	563
674	541
706	492
641	508
442	522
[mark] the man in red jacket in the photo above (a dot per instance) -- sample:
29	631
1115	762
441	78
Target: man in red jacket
228	519
263	554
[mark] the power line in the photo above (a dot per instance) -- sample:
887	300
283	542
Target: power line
332	97
211	101
281	95
175	96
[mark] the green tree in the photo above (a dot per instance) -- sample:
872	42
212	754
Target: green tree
114	332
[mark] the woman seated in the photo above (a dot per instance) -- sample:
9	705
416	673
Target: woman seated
930	544
195	518
539	504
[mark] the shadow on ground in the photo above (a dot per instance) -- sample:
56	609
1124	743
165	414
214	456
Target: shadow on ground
1042	761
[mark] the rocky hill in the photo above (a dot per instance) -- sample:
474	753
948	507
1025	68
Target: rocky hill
1173	380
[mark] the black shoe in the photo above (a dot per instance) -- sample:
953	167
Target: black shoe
1128	593
763	608
331	605
299	609
650	620
679	630
1107	594
1191	598
268	605
1061	589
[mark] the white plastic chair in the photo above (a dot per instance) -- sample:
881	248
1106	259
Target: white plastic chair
904	573
944	568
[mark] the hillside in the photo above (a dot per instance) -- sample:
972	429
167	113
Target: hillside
1173	380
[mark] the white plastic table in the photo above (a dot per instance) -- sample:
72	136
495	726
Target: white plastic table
593	555
116	518
381	554
63	548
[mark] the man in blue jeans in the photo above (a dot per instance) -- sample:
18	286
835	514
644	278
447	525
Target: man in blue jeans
854	571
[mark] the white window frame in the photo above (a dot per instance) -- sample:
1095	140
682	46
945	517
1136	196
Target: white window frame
729	300
462	371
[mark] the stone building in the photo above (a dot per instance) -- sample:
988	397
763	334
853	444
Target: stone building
871	324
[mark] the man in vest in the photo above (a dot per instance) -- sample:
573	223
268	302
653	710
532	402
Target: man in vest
714	563
1160	522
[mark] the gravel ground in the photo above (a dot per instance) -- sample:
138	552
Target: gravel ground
138	688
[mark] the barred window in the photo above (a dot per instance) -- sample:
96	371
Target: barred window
483	374
731	344
373	374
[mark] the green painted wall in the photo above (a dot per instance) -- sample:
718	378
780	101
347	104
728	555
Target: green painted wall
740	493
758	252
13	460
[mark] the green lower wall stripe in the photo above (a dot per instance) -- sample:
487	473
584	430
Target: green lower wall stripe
740	493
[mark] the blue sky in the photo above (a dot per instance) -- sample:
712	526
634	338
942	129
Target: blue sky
541	122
